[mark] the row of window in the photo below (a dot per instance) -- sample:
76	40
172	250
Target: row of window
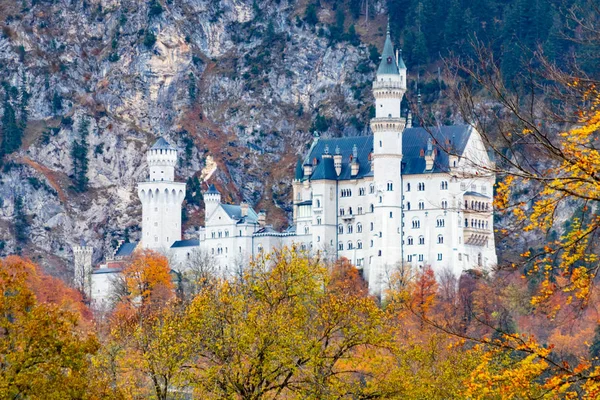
214	235
463	186
350	245
420	257
477	205
476	223
410	240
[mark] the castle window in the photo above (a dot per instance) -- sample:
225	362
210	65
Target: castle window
459	256
319	221
340	246
372	226
361	191
479	259
391	215
341	211
440	239
421	205
306	230
371	188
409	258
340	228
379	253
212	250
359	227
416	224
380	199
421	186
421	239
349	230
360	210
444	185
350	246
408	187
408	205
380	143
371	243
240	232
390	186
371	208
410	241
220	234
318	203
226	233
359	244
444	204
440	223
318	238
420	257
439	257
350	210
240	249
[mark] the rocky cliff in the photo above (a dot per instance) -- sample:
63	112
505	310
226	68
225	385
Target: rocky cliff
237	85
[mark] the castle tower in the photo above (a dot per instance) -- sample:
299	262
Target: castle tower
161	198
82	260
212	199
387	126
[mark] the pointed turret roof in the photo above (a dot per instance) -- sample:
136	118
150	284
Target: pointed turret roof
388	64
401	64
212	190
162	144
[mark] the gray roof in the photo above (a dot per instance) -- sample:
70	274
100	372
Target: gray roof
162	144
388	58
299	170
475	194
451	139
212	190
186	243
107	271
401	64
235	212
126	249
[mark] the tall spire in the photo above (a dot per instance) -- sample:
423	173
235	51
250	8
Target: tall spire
388	64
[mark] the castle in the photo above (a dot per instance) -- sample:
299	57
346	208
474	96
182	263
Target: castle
404	194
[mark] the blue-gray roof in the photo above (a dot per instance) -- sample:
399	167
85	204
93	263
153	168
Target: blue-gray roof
388	66
212	190
186	243
448	139
235	212
107	271
126	249
162	144
475	194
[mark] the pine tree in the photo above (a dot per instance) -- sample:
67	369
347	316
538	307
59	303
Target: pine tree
12	133
79	154
21	225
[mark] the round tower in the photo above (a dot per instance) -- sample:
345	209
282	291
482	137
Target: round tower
161	198
82	266
212	199
387	126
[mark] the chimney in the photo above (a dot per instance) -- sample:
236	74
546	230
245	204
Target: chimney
244	208
354	165
337	161
262	217
429	156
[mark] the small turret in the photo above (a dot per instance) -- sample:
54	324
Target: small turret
212	199
409	120
354	165
82	260
162	159
298	173
429	155
262	217
337	161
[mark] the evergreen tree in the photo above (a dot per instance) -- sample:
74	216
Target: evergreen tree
12	133
310	15
79	154
419	51
21	225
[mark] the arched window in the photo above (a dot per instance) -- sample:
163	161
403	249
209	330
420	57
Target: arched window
226	233
372	226
421	239
340	228
359	244
361	191
359	227
444	185
479	261
350	246
371	208
306	229
410	241
318	220
416	223
318	203
408	187
421	205
340	246
440	222
371	188
440	239
444	204
380	199
390	186
349	228
408	205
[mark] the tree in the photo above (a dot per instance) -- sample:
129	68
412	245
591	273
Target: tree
44	345
21	224
79	154
310	14
12	132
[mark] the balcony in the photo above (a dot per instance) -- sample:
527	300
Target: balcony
476	236
387	85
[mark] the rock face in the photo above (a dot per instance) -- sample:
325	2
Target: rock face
236	84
